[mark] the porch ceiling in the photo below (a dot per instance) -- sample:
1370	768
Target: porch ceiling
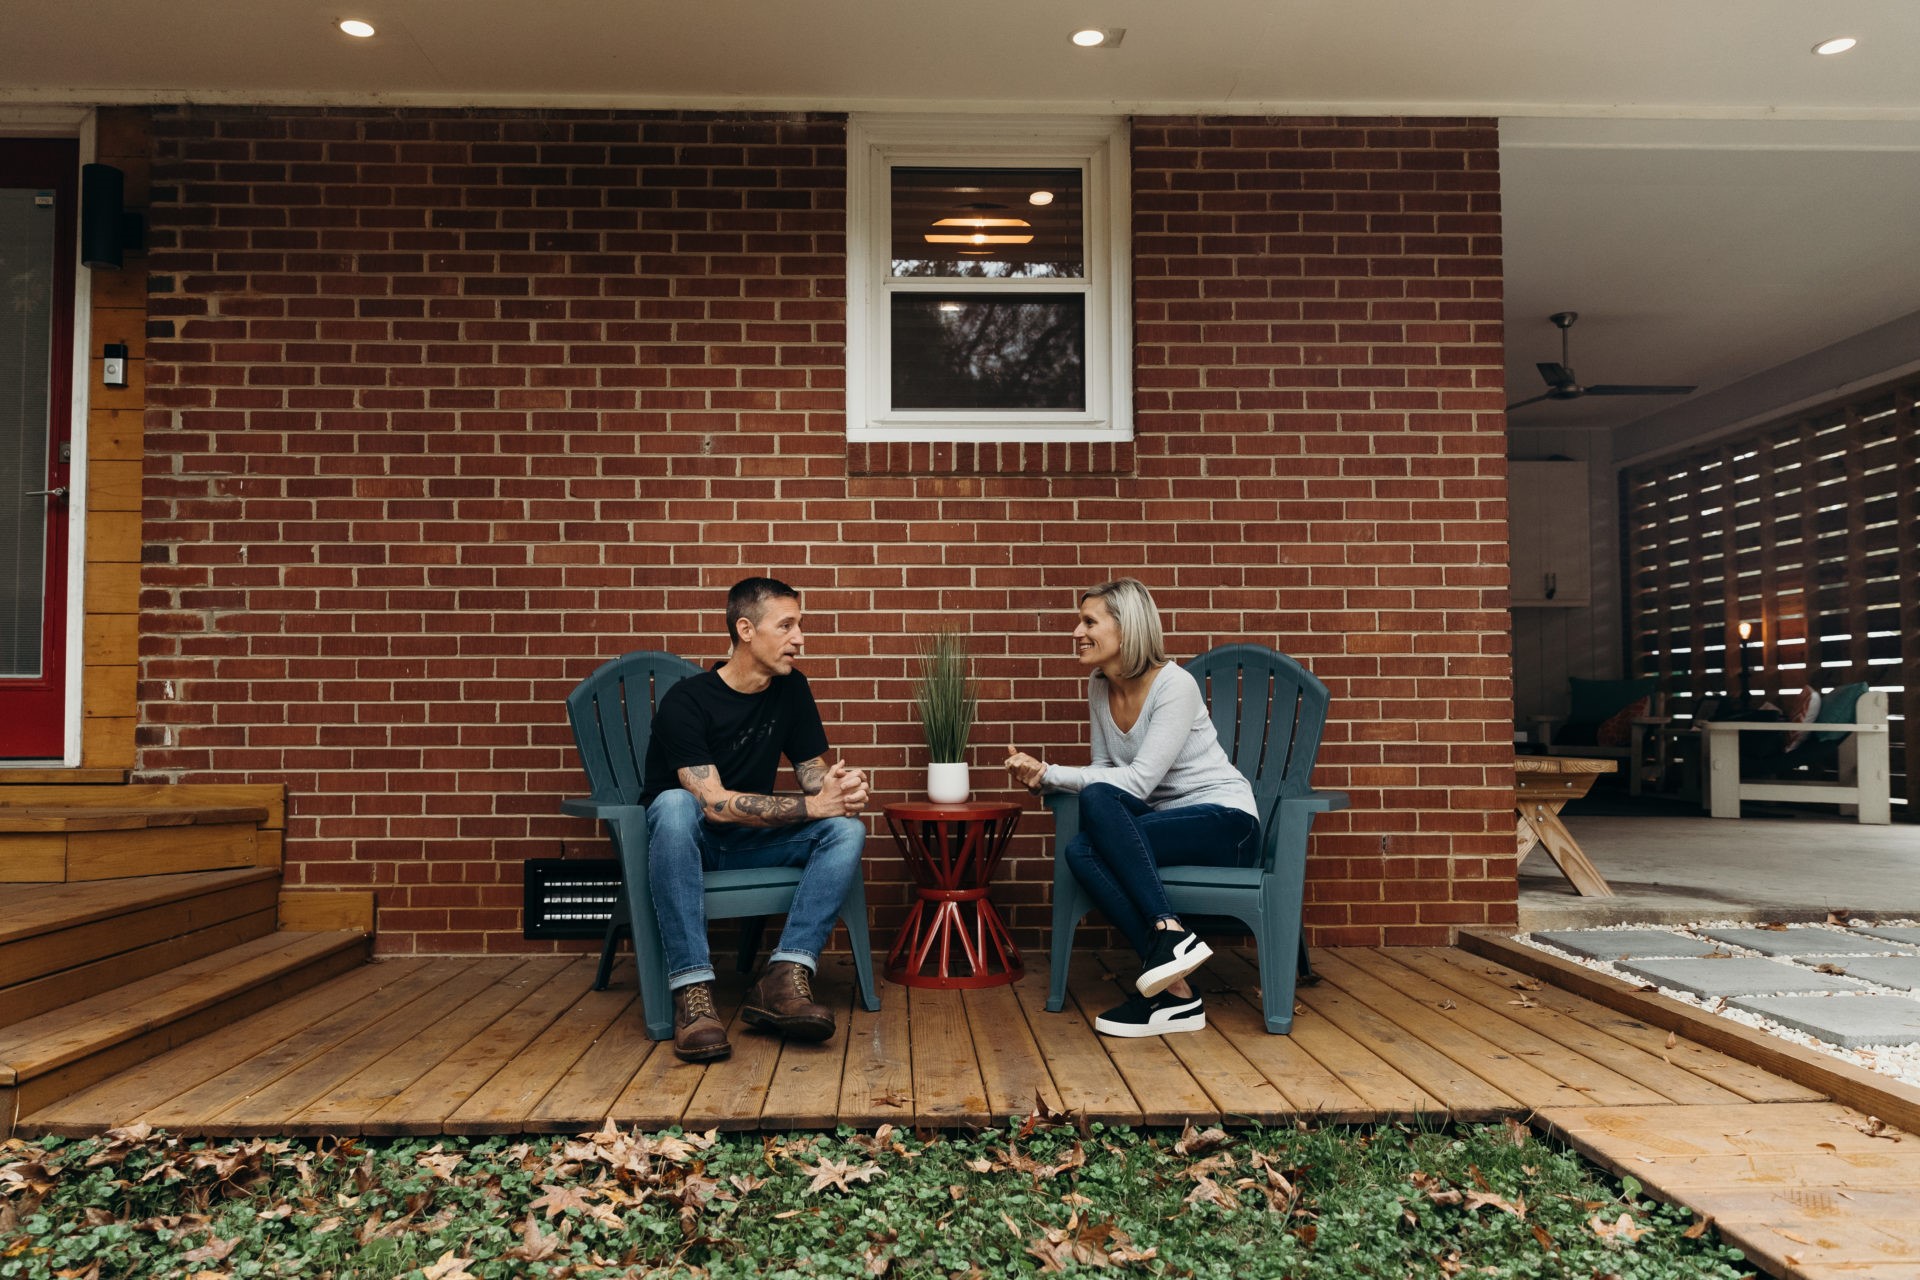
1493	57
1700	252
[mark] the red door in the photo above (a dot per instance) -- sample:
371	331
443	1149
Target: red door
38	180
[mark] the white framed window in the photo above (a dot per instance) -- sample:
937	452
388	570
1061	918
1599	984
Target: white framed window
988	279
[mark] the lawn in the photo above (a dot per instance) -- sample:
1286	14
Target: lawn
1042	1195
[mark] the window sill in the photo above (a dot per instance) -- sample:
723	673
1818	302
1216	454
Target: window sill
986	457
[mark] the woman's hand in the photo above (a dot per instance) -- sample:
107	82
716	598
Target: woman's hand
1024	769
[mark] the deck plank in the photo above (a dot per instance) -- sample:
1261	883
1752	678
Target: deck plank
1511	1028
947	1087
805	1090
1489	1059
1154	1074
1076	1057
1237	1088
281	1050
878	1086
1456	1091
1308	1088
382	1061
584	1097
1013	1067
1379	1084
461	1066
510	1095
732	1092
1755	1084
118	1099
1797	1186
1574	1033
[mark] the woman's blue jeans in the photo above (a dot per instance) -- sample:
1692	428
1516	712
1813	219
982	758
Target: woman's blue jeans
682	847
1123	843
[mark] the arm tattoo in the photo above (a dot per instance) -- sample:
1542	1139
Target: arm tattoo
700	771
766	811
812	774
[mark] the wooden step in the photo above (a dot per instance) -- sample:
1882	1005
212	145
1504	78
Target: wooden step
56	1053
60	943
67	843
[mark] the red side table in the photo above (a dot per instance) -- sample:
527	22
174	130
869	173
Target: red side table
952	851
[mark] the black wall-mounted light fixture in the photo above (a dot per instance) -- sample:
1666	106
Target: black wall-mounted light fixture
107	230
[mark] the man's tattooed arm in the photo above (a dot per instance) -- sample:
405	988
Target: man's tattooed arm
812	774
742	808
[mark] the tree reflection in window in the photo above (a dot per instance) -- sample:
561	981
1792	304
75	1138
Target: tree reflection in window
1025	351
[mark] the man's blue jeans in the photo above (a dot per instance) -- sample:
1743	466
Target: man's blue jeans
682	847
1123	843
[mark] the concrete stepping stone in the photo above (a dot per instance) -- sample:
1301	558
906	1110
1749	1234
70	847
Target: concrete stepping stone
1740	976
1616	944
1889	971
1802	942
1852	1022
1908	934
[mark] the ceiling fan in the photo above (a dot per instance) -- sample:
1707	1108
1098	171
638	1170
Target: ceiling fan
1563	385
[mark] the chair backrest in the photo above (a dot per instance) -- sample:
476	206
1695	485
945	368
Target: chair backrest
612	716
1269	712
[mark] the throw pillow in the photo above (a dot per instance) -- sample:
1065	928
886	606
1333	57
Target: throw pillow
1802	710
1837	708
1594	701
1617	729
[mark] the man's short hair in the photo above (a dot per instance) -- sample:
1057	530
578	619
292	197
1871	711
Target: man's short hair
748	600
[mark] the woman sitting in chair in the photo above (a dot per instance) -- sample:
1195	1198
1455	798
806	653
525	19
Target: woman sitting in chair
1160	792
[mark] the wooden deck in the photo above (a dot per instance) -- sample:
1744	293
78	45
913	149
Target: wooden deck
466	1045
1809	1187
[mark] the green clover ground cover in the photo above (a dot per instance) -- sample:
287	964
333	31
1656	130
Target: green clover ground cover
1039	1196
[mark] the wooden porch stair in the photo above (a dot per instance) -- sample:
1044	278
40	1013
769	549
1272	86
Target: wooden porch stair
141	917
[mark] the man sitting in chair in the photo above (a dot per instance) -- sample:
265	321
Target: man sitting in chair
711	766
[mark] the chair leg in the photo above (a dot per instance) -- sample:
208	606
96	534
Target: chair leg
854	913
649	955
752	930
611	943
1069	906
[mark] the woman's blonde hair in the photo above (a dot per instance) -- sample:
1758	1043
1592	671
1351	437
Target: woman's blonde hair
1142	646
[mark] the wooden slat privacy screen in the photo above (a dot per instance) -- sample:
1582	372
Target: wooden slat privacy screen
1808	528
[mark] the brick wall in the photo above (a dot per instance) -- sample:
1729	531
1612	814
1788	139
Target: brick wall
457	404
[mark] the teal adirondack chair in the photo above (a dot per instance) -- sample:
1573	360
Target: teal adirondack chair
612	716
1269	712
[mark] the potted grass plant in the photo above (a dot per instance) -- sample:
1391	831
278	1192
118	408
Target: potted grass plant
946	700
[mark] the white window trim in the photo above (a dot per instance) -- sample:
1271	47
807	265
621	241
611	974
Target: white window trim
1098	145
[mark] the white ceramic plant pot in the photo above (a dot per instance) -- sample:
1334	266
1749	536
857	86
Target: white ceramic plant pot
947	783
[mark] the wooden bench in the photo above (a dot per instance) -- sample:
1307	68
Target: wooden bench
1861	789
1541	786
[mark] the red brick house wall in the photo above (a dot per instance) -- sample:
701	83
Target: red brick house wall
454	405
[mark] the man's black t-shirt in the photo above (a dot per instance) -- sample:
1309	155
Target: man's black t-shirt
701	720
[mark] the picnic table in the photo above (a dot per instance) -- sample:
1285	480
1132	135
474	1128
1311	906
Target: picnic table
1541	786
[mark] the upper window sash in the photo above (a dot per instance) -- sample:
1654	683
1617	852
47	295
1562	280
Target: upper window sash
1097	149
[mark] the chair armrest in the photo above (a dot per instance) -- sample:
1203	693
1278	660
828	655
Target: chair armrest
1316	801
1652	721
586	807
1788	726
1065	807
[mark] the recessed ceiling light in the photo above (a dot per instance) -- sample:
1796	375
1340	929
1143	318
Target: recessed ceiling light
1090	37
1040	197
1839	44
355	27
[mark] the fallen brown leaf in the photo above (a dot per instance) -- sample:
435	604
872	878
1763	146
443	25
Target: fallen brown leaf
837	1174
1699	1227
1621	1228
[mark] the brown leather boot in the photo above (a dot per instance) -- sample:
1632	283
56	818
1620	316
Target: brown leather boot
698	1033
783	1000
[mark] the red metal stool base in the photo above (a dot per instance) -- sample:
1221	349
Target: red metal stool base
953	937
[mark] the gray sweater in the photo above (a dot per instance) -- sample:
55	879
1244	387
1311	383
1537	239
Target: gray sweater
1171	757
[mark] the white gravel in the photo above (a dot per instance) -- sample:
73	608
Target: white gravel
1901	1062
